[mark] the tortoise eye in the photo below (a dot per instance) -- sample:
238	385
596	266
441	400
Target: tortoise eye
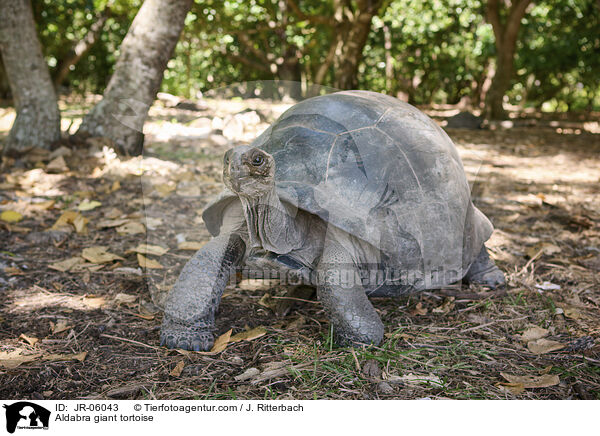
226	159
258	160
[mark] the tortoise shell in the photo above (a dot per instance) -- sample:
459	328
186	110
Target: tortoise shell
379	169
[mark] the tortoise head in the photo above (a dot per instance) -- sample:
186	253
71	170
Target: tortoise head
248	171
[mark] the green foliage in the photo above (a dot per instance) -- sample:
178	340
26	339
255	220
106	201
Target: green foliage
559	60
62	23
439	51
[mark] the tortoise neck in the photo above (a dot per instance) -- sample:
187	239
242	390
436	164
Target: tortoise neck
271	225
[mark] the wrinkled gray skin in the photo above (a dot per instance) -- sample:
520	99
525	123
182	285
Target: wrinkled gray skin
341	187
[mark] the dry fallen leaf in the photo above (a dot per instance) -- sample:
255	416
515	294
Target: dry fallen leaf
165	189
296	324
79	223
419	310
131	228
544	247
107	223
88	205
248	374
85	267
11	216
144	262
122	298
43	205
12	359
29	339
60	326
155	250
113	213
219	345
572	312
176	372
98	254
13	271
57	165
71	218
533	333
249	335
416	379
55	357
257	284
445	307
66	265
152	223
94	302
532	381
548	286
267	301
513	388
190	245
543	346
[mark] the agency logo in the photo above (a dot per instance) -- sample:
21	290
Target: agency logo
26	415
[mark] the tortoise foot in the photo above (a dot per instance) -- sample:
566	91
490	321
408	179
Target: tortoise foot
344	339
178	335
485	272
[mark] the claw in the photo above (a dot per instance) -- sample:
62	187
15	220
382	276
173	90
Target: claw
196	345
183	344
178	335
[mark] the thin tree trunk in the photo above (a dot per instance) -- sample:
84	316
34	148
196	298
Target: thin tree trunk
350	26
145	51
324	67
389	61
38	119
506	36
290	74
81	48
355	27
4	85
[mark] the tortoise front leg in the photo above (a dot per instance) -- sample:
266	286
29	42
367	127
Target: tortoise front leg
192	303
339	289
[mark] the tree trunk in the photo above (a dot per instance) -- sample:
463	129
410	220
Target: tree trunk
349	25
500	84
323	69
355	26
389	61
81	48
145	51
4	85
506	36
38	119
289	73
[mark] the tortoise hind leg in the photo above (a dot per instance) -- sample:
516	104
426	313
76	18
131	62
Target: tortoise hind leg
484	271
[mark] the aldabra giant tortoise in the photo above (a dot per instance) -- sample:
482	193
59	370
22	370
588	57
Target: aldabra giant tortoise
356	193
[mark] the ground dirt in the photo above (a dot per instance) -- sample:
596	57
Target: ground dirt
89	327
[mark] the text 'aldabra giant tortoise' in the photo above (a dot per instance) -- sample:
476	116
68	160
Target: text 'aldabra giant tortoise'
356	193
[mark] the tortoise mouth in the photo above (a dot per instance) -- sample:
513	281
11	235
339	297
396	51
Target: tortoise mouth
245	183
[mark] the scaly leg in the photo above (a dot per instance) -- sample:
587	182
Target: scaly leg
192	303
340	291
